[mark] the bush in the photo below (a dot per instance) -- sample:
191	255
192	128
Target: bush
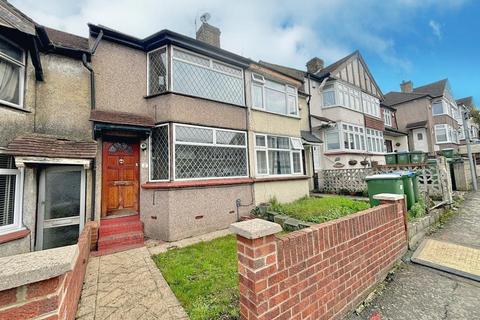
418	209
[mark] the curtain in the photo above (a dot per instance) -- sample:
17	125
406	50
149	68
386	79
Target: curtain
279	162
9	81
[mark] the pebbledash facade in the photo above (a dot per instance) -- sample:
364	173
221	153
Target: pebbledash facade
206	134
46	149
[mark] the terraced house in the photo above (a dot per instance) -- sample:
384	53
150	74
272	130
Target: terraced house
46	149
429	114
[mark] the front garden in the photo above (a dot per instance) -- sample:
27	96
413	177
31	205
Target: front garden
204	276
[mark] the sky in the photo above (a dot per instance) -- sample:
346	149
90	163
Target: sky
418	40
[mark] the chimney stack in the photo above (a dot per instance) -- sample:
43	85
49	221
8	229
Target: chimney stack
315	65
406	86
209	34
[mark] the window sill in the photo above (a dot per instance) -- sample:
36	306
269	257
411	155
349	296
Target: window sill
340	152
196	183
14	235
282	178
191	96
4	105
275	113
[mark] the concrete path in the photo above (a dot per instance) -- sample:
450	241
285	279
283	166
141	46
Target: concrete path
418	292
127	285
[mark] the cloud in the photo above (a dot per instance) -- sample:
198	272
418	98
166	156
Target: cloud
283	31
436	28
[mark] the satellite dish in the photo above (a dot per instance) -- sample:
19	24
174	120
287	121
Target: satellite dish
205	17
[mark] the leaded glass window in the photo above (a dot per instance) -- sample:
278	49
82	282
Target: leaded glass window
159	157
157	71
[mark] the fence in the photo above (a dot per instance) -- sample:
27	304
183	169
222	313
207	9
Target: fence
434	179
321	272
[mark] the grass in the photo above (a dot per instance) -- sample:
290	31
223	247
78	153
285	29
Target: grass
318	210
204	278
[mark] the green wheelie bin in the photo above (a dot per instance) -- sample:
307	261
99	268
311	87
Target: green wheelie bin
418	157
408	188
403	157
383	183
391	158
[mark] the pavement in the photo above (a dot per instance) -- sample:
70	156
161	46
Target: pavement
418	292
128	285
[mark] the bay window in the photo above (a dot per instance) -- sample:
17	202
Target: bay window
445	133
160	153
157	71
350	137
10	195
278	155
273	96
439	107
12	69
375	140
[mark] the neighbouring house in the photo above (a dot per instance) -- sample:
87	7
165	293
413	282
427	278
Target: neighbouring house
467	105
46	148
345	112
395	139
429	114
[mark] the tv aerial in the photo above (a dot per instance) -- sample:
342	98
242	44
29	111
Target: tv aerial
205	17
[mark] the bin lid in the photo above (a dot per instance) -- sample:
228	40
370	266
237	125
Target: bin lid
417	152
405	173
383	176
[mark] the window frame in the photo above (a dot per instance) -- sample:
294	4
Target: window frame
150	154
266	149
263	83
449	130
18	202
174	143
361	133
22	65
167	75
387	115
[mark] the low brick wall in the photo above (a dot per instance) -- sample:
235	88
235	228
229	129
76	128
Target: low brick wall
56	297
321	272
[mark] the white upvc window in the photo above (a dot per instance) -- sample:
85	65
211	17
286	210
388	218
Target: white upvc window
11	189
371	105
375	142
439	107
208	153
278	155
159	153
387	116
445	133
12	73
157	71
273	96
353	137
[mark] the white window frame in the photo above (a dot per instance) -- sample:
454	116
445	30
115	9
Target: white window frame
387	117
376	136
210	67
167	75
21	84
260	81
448	133
150	154
357	131
214	144
266	149
18	203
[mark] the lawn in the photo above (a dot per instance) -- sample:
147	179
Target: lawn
204	278
318	210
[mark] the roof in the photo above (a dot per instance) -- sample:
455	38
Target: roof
43	145
67	40
291	72
393	98
164	37
332	67
467	101
309	137
321	118
434	89
418	124
124	118
11	17
394	132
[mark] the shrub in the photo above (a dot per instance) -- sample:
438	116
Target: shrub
418	209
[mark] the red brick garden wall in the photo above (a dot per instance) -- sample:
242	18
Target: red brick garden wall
321	272
54	298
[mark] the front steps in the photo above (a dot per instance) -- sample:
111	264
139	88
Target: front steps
120	234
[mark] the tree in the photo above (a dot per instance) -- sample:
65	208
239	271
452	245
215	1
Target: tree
475	115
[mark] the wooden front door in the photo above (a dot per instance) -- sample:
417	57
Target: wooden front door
120	178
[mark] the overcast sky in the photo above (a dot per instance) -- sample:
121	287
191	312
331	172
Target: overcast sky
422	41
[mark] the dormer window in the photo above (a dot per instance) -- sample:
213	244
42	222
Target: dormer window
12	69
273	96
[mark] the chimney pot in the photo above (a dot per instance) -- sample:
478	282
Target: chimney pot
406	86
209	34
315	65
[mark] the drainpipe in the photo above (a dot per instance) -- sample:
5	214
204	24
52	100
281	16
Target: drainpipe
89	67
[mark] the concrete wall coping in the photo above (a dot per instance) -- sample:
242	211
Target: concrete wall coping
22	269
255	228
388	196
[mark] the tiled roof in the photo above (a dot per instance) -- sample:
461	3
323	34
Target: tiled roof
332	67
418	124
435	89
121	118
67	40
393	98
467	101
291	72
42	145
11	17
309	137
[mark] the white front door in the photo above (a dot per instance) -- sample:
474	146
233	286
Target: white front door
61	206
420	142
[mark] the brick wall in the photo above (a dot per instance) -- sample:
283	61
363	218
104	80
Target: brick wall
321	272
54	298
374	123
